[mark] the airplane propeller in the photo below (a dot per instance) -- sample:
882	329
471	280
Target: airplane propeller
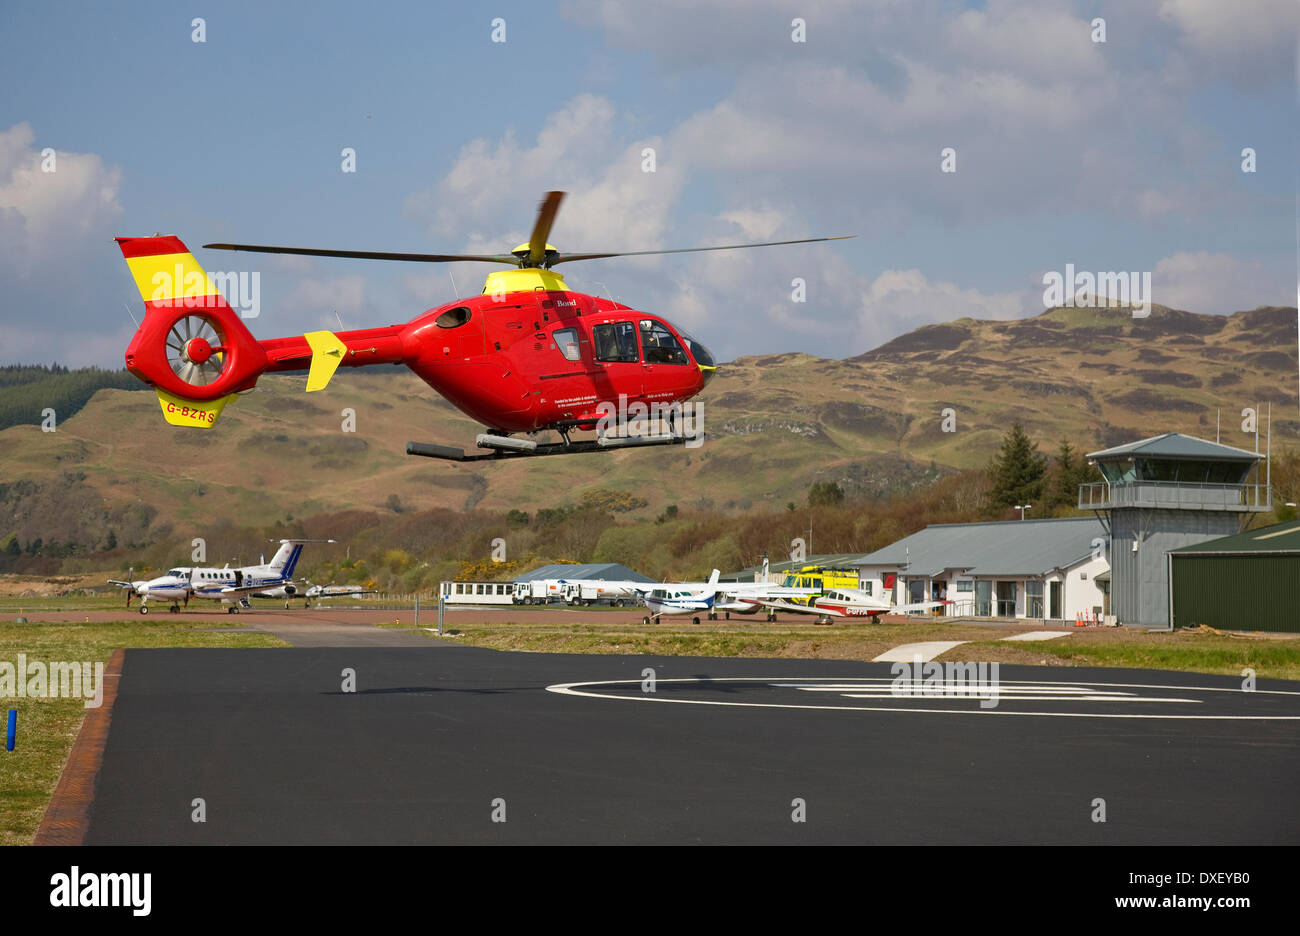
536	253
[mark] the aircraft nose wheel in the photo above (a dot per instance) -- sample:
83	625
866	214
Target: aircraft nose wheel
174	608
144	609
695	620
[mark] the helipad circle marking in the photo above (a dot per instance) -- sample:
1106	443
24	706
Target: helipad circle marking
575	689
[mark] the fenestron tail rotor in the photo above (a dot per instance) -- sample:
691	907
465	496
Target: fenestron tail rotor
534	254
195	350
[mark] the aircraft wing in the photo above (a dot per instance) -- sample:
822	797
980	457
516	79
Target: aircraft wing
798	609
917	606
121	584
748	592
231	591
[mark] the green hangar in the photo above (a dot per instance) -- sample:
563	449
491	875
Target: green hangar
1248	581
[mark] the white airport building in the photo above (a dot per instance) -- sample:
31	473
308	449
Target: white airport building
1038	569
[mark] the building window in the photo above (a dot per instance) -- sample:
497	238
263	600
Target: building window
1033	599
965	585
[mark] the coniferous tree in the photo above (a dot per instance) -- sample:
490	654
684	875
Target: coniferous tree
1017	471
1065	488
825	494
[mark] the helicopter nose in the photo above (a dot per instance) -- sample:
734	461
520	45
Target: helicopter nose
704	359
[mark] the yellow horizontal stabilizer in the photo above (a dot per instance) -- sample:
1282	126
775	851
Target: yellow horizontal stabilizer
326	355
182	412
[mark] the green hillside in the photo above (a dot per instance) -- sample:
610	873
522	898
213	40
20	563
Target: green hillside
26	390
115	477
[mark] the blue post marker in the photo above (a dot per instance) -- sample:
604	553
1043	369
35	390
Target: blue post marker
11	734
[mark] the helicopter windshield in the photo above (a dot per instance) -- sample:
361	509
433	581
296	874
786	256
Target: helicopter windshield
701	354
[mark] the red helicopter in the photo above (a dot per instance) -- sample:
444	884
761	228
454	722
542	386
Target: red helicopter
527	354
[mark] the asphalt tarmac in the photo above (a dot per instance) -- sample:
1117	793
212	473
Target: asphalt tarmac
441	744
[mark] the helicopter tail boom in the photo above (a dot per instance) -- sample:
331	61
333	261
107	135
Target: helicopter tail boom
323	352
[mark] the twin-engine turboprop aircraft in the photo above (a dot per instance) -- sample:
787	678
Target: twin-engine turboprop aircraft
232	587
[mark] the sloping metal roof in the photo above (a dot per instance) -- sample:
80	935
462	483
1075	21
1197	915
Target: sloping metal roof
592	571
827	560
1278	538
1176	445
1005	547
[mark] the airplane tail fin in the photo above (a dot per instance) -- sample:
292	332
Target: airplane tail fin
286	557
713	579
191	347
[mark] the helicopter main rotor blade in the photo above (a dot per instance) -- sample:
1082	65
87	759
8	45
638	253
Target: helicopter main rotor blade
568	258
368	254
546	212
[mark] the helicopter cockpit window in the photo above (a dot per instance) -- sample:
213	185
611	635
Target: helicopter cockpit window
566	339
701	353
615	343
660	345
453	318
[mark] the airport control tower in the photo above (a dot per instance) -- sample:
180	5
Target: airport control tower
1161	493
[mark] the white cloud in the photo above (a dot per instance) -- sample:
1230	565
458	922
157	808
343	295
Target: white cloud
48	220
1235	38
898	301
1201	281
318	300
62	278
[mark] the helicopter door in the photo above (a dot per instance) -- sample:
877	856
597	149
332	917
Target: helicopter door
614	346
666	369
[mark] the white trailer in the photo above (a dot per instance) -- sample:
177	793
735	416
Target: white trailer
484	593
594	591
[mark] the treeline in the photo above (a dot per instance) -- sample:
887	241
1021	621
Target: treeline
411	550
27	390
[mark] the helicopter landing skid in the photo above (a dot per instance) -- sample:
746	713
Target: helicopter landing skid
505	447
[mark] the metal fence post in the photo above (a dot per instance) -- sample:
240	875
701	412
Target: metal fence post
442	601
417	609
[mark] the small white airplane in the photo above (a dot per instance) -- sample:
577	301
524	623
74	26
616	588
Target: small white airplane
336	591
307	592
232	587
712	596
845	603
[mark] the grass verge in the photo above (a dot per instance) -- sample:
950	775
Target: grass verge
1193	650
48	727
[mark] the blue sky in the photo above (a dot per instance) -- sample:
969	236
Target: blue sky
1123	155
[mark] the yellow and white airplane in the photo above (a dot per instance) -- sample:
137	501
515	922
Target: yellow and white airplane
844	603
